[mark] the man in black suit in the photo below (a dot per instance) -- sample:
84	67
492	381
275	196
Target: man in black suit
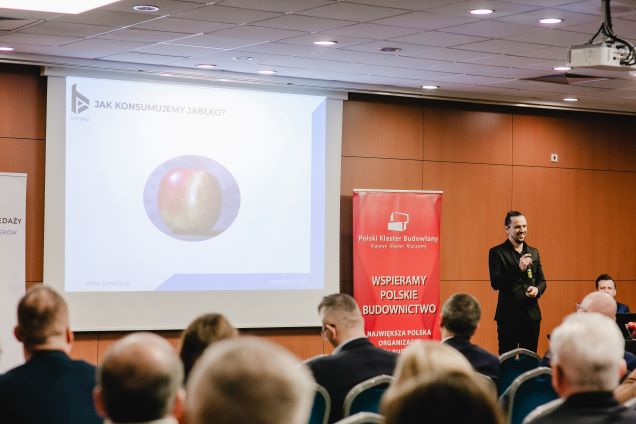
50	387
459	319
354	359
587	365
515	270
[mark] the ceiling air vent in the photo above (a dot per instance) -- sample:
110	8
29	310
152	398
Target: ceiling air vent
567	78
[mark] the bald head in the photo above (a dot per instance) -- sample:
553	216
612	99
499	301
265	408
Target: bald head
599	302
43	320
249	380
139	379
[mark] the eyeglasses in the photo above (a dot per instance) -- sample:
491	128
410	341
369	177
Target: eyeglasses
580	308
325	327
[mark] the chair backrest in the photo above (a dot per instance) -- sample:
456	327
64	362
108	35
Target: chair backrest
514	363
321	407
489	382
365	396
542	410
531	389
362	418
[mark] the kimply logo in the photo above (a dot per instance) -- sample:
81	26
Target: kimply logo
80	102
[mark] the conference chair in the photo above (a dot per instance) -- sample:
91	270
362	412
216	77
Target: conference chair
362	418
321	407
542	410
489	383
365	396
528	391
514	363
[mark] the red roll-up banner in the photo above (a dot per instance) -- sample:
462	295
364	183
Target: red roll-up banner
396	252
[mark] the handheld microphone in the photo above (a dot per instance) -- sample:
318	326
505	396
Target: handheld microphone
529	269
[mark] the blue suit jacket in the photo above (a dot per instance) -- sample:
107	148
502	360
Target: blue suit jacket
49	388
358	360
482	361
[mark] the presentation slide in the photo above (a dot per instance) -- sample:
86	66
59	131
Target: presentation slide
171	188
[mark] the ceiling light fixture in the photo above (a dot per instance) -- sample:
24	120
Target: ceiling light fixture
6	49
430	87
570	99
325	42
58	6
243	58
390	49
562	68
481	11
145	8
206	66
550	20
266	72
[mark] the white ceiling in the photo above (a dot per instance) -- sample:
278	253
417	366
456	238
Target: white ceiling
469	57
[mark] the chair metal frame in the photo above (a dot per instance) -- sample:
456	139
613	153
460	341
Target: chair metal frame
361	387
321	391
511	392
505	357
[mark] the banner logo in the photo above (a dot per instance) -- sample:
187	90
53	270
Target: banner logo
398	221
80	102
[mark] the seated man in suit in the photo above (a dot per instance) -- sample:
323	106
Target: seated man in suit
459	319
606	283
248	380
587	365
139	381
354	359
50	387
603	304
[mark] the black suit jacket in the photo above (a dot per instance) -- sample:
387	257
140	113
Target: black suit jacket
589	408
357	360
482	361
50	388
505	276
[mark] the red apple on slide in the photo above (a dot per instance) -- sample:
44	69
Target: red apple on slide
190	200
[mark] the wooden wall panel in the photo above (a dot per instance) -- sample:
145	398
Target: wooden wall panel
22	102
373	174
85	347
27	156
626	293
486	334
536	137
614	232
475	200
558	206
467	136
615	144
381	130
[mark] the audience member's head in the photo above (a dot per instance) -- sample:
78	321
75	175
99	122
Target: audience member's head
587	354
425	358
139	380
341	318
249	380
443	397
460	316
202	332
599	302
606	283
43	321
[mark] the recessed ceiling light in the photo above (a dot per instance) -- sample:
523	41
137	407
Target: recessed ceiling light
58	6
550	20
206	66
481	11
390	49
243	58
6	49
570	99
146	8
266	72
325	42
430	87
562	68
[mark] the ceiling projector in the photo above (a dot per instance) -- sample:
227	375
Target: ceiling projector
608	55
